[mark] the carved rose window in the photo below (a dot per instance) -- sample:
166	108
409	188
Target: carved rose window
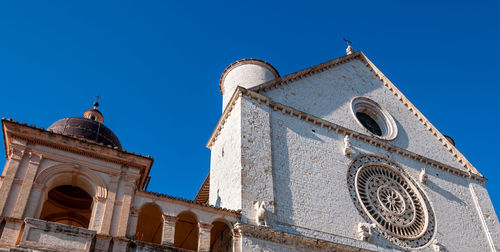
387	197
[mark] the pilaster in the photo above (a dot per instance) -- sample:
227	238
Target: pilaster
125	207
28	178
132	223
256	160
237	245
167	237
204	236
97	213
109	208
34	201
15	157
11	232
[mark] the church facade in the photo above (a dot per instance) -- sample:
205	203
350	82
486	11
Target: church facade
330	158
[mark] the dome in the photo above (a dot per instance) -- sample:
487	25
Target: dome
89	127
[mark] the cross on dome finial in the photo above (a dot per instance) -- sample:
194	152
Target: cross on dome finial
93	113
349	49
96	103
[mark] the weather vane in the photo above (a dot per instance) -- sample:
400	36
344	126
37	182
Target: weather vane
347	41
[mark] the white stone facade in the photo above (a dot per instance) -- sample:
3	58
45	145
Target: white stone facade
291	154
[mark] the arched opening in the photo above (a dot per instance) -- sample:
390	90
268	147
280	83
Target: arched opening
69	205
186	231
149	224
2	226
220	237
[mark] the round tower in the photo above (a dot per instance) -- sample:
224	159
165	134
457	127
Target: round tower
246	73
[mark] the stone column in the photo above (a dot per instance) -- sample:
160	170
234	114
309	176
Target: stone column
24	193
132	223
237	244
168	232
204	236
15	157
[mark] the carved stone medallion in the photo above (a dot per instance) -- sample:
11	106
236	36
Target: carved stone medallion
387	197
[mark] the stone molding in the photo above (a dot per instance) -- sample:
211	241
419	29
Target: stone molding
298	241
51	172
388	84
334	127
35	226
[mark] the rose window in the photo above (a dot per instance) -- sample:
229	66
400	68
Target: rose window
387	197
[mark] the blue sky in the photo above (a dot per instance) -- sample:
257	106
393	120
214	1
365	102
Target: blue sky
157	64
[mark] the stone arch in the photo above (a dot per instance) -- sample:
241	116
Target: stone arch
221	238
186	230
149	223
69	177
56	175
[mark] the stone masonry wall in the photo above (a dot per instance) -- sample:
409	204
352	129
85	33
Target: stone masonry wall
312	196
328	95
225	163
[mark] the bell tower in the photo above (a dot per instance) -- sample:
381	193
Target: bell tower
74	174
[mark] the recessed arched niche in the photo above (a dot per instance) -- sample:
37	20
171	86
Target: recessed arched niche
149	224
69	205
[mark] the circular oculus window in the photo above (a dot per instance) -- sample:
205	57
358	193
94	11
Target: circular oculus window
373	118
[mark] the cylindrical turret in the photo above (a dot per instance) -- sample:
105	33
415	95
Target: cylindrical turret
246	73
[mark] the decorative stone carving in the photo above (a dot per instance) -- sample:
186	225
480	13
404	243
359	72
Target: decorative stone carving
437	247
15	153
348	151
423	177
386	196
349	50
260	213
365	231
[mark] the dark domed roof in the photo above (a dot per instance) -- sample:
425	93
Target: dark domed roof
85	128
89	127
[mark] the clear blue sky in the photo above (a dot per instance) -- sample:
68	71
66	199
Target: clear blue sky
157	64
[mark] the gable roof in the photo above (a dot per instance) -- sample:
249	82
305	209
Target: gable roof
387	84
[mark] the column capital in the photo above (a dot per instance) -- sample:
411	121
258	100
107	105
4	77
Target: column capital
134	212
169	218
16	153
205	226
35	158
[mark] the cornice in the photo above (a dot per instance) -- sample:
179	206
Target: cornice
227	111
83	140
189	203
39	136
293	240
413	110
388	84
338	129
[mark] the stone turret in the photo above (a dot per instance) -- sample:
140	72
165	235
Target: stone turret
246	73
